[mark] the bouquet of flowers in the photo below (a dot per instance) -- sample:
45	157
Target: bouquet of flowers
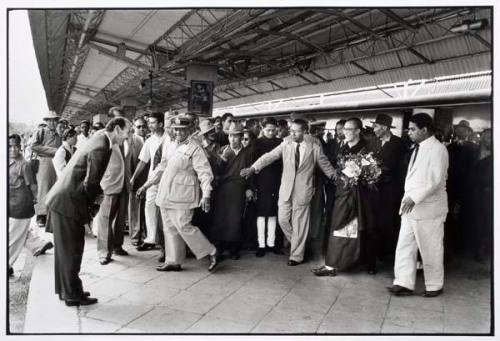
354	169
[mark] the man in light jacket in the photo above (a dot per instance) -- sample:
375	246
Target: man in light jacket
423	212
300	155
184	175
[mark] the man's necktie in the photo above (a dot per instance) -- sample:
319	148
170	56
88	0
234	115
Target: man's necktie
415	152
297	156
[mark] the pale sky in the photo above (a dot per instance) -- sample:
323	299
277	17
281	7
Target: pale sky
27	102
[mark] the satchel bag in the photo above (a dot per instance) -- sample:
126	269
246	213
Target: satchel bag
33	161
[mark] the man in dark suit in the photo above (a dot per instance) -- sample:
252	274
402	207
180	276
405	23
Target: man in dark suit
69	201
390	151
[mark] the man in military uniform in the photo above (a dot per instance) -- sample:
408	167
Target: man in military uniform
45	145
183	173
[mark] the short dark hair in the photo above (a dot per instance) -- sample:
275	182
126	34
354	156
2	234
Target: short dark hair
226	115
117	121
160	117
301	122
250	134
340	122
68	133
98	125
269	120
16	138
357	122
282	123
87	122
422	120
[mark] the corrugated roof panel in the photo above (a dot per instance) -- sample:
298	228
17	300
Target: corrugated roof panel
423	71
382	62
461	45
408	58
293	81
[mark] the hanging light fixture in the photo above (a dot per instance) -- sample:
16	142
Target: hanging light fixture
469	26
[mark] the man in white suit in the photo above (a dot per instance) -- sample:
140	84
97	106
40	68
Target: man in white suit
300	155
423	212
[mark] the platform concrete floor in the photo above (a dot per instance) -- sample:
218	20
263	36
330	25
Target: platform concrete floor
252	295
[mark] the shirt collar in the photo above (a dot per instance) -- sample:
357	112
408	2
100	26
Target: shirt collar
236	151
427	141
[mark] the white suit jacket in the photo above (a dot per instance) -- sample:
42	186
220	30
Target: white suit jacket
426	181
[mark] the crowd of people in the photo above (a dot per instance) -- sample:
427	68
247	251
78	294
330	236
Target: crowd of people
221	185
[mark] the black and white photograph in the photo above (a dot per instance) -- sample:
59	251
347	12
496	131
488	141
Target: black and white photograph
263	169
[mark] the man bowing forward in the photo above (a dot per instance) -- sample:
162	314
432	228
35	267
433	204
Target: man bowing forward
69	201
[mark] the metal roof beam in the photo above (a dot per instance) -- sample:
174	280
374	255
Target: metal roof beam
116	45
294	37
306	79
419	55
482	40
403	23
362	68
125	60
252	89
276	85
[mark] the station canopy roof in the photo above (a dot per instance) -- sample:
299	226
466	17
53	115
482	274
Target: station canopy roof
90	60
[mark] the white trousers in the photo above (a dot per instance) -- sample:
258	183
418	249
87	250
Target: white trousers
425	235
178	232
261	231
151	213
22	234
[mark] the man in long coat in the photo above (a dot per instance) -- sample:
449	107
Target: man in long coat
69	201
390	152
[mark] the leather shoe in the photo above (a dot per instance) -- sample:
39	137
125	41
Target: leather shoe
277	251
323	271
261	252
169	267
371	271
214	260
84	295
83	301
120	252
292	262
136	243
44	248
145	247
105	261
398	290
10	272
432	293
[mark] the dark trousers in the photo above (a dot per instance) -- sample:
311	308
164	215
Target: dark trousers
69	241
111	223
139	234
